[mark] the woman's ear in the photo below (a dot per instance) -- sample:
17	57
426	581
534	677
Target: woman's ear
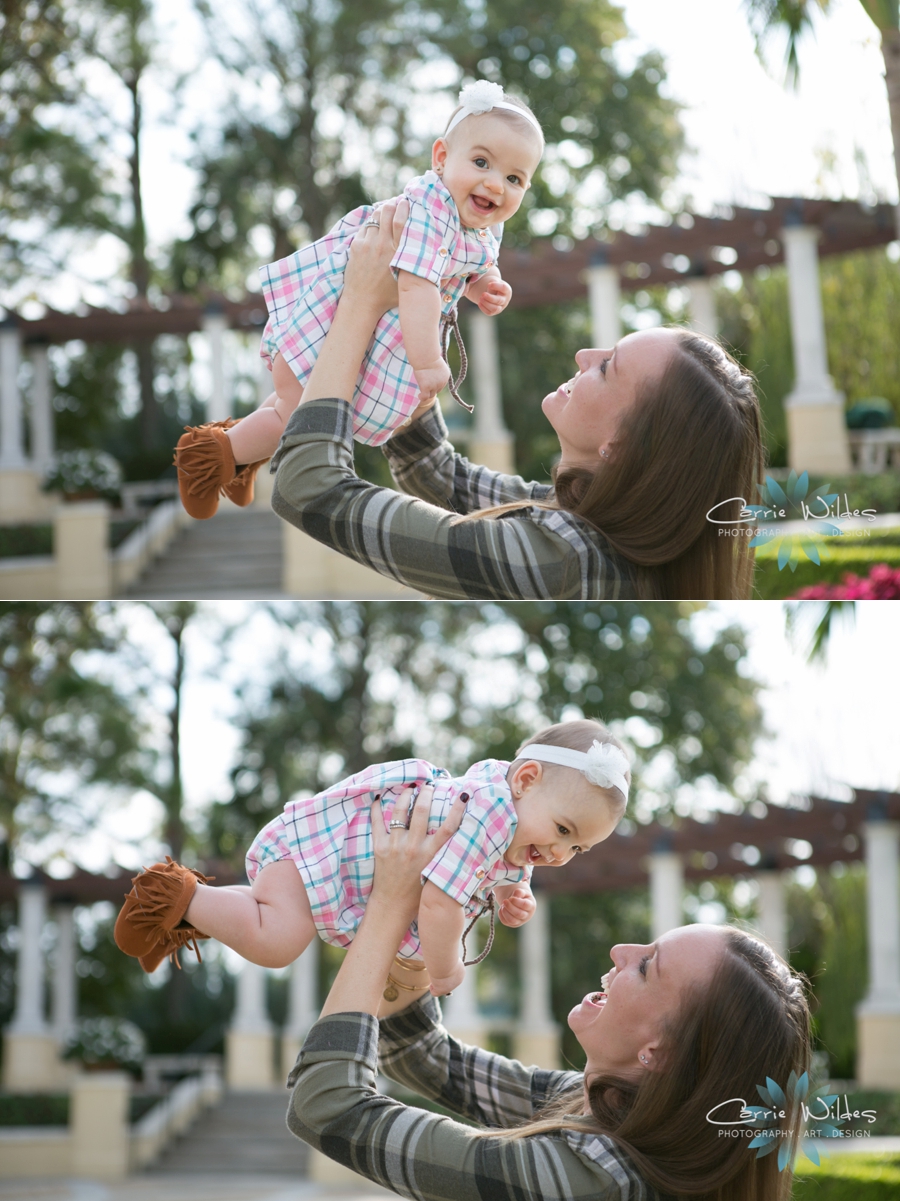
439	155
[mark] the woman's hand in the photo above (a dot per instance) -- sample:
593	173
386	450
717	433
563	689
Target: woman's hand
368	279
402	854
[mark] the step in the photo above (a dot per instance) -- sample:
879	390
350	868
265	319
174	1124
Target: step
244	1134
236	554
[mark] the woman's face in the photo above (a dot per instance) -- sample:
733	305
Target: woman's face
586	411
644	988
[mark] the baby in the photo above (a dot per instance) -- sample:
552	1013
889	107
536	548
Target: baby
481	169
312	866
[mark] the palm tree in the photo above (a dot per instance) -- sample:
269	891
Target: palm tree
795	17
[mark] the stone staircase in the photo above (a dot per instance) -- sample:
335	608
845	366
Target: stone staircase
235	555
245	1134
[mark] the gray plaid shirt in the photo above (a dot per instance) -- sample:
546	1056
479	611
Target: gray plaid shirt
336	1108
528	555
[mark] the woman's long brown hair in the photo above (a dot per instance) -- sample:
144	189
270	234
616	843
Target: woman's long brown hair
692	440
750	1022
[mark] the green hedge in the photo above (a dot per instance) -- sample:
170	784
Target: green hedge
855	556
52	1109
19	541
856	1177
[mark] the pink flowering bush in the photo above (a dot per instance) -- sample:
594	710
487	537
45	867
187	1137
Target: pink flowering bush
882	583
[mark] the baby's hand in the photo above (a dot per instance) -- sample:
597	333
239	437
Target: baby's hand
441	985
495	297
432	379
518	907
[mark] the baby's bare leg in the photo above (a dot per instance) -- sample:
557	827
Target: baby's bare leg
269	923
257	436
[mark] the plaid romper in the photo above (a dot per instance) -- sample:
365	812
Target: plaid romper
329	837
303	290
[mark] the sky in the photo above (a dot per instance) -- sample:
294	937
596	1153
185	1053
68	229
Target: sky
830	725
748	135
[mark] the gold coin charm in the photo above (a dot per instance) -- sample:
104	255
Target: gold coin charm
391	993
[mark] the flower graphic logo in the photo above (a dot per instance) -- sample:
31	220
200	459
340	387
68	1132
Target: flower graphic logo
777	1120
795	500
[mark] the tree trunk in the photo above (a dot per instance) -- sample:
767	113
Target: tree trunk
140	269
890	49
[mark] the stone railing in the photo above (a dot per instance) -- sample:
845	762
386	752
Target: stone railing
99	1143
82	567
874	451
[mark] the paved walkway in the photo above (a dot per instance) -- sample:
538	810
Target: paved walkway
193	1187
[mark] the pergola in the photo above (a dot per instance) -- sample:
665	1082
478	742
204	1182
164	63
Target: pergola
762	843
690	250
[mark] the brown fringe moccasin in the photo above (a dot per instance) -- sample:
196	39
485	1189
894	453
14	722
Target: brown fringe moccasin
149	926
205	464
240	490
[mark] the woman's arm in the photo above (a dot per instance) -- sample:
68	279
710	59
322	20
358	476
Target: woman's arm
420	324
441	924
335	1105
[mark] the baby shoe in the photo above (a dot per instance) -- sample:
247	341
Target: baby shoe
169	945
240	490
154	908
205	465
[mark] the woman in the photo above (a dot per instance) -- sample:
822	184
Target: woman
653	435
695	1020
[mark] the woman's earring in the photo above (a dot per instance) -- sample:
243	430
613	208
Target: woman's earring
604	454
643	1059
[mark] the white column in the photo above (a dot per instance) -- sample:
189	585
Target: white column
303	1007
883	897
537	1035
29	1013
771	911
878	1016
666	891
249	1043
491	441
30	1062
704	318
604	299
65	980
42	423
817	434
214	326
12	445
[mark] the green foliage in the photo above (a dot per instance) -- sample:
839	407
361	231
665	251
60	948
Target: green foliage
859	292
59	721
342	691
37	1109
286	170
828	938
791	17
853	556
16	540
849	1178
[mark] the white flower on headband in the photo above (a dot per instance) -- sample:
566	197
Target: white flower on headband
481	96
606	766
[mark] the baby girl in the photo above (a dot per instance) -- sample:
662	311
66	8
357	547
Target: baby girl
312	866
481	169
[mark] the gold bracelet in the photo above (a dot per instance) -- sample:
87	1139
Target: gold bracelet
407	966
390	993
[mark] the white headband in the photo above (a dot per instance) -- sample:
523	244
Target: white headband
604	764
481	97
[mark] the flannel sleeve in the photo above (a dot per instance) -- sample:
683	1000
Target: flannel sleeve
336	1108
417	543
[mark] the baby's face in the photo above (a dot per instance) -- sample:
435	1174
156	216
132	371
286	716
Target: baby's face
486	165
554	825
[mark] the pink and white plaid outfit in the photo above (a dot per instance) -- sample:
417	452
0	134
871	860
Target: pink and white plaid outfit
303	290
329	837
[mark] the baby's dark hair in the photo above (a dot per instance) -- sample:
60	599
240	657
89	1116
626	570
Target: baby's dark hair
577	736
506	115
